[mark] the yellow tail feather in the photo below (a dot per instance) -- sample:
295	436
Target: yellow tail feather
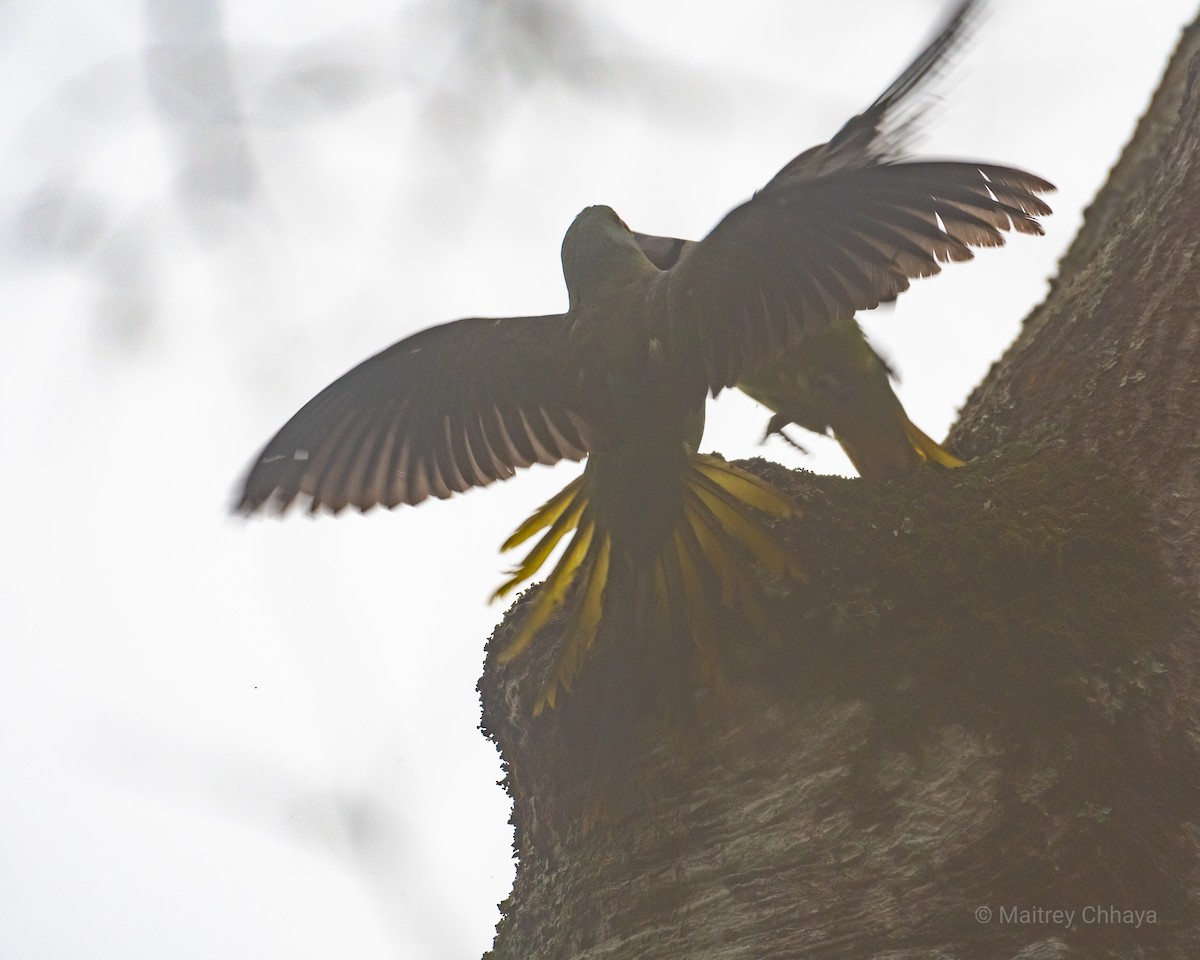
547	514
561	513
706	561
928	448
554	591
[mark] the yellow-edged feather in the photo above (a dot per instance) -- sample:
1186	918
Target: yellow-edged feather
718	539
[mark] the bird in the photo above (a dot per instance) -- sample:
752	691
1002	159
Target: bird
837	384
666	544
833	383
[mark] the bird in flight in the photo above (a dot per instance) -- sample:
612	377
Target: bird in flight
665	543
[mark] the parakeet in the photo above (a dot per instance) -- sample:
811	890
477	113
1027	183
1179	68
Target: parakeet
665	542
832	383
836	383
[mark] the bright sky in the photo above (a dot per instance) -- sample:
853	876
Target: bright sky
230	739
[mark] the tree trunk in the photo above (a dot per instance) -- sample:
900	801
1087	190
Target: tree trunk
980	736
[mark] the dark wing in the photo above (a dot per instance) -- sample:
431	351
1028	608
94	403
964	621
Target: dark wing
874	136
454	406
797	258
882	131
843	227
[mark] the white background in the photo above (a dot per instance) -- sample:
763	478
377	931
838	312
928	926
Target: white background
231	739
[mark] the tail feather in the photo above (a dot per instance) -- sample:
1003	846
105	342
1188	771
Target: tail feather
675	584
550	514
699	595
744	486
707	556
723	501
928	448
555	590
584	622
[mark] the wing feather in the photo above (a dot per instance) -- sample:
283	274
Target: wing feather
811	251
455	406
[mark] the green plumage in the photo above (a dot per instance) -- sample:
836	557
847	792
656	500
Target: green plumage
663	546
835	383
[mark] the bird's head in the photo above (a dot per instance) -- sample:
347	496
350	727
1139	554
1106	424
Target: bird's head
600	255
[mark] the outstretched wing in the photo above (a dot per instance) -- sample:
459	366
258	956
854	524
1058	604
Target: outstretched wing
882	131
455	406
797	258
842	227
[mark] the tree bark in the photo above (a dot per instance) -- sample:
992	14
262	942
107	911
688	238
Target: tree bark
980	736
